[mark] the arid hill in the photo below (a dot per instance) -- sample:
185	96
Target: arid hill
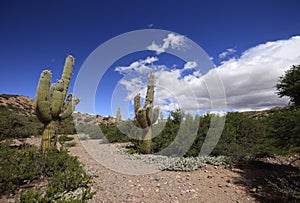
18	119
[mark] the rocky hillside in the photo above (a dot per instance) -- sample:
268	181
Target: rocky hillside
264	113
19	104
18	119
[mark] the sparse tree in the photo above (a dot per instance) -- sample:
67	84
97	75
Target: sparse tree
289	85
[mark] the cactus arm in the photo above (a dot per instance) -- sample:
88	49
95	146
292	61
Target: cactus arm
142	118
150	91
67	72
155	114
57	98
43	97
137	103
68	107
148	114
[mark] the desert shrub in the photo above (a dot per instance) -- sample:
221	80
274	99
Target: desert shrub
20	166
243	137
67	126
287	186
283	129
64	171
63	139
89	119
166	137
14	125
190	163
113	134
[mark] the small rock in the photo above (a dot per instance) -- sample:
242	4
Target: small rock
193	190
209	177
253	190
229	185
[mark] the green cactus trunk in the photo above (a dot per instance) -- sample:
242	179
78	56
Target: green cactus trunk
49	137
52	104
148	141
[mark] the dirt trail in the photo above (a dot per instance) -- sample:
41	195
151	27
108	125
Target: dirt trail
208	184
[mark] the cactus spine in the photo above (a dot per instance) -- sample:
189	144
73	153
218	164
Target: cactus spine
146	116
51	106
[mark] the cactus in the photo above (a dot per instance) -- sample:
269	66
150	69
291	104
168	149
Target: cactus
146	116
118	116
52	106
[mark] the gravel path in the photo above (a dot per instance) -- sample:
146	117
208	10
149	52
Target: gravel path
117	180
110	156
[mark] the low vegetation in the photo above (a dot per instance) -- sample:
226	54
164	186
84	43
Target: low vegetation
52	177
16	122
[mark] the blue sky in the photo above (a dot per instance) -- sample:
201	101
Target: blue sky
242	38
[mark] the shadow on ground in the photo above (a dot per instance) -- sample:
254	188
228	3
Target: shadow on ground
268	182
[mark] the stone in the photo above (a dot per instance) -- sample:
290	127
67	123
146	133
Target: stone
253	190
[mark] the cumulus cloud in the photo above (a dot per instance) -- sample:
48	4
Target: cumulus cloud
171	41
227	53
141	66
248	81
190	65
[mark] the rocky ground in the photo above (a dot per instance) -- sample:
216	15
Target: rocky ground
116	183
119	177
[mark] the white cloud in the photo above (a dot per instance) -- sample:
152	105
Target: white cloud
226	53
248	81
171	41
141	66
190	65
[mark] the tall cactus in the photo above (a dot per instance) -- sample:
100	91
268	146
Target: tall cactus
146	116
51	105
118	116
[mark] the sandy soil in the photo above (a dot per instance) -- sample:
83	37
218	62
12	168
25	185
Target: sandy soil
115	182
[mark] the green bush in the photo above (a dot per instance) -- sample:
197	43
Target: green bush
14	125
63	139
243	137
18	167
67	126
113	134
283	128
63	173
